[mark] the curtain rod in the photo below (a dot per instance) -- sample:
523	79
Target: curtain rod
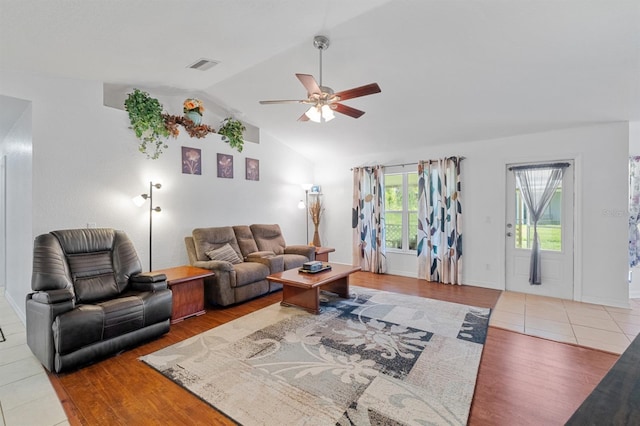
541	166
405	164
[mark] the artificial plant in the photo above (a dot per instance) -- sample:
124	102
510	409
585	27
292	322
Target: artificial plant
231	132
145	114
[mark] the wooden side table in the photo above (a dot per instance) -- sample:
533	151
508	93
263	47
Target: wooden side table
322	253
187	286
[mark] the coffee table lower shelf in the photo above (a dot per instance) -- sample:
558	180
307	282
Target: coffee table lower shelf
303	290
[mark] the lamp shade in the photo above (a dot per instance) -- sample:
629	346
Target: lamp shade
319	114
140	199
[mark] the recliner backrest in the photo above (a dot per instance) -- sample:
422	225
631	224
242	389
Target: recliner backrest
268	238
95	263
207	239
245	240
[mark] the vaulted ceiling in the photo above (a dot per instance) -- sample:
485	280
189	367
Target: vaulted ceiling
449	70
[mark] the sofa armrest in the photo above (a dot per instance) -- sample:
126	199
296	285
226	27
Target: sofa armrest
52	297
307	251
148	282
260	254
42	308
274	263
214	265
148	278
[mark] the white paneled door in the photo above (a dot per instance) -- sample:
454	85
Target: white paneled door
555	231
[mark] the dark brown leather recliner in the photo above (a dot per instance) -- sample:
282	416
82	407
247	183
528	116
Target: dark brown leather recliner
90	299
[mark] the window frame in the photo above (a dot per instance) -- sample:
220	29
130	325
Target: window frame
405	212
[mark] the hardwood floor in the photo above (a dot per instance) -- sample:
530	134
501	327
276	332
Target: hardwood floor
522	380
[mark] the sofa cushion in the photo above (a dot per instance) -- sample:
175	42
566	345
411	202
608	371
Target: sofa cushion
269	238
92	276
224	253
245	240
206	239
89	324
121	316
250	272
292	261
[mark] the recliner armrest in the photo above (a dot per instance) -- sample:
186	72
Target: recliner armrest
50	297
274	263
307	251
148	278
260	254
148	282
214	265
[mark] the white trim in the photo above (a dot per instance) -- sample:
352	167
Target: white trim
606	302
576	158
407	274
577	227
484	284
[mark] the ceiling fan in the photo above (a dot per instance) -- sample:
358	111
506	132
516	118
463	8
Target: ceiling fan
322	99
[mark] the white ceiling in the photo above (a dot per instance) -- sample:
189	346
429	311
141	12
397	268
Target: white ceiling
449	70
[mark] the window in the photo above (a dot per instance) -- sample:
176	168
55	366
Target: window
401	210
549	225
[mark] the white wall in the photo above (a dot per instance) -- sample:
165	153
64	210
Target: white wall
600	152
16	148
87	168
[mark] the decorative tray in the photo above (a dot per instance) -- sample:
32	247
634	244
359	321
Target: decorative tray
324	268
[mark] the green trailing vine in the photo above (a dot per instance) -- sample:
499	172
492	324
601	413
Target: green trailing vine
145	114
153	127
231	131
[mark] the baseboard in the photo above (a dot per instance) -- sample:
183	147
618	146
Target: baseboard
484	284
605	302
16	308
402	273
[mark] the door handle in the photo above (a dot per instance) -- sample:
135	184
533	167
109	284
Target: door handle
509	234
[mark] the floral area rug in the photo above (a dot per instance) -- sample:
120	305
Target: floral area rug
376	358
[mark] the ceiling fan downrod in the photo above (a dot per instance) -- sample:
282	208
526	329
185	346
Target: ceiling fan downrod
321	43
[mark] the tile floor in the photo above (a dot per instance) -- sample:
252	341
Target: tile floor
595	326
26	395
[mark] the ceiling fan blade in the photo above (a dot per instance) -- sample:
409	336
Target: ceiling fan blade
303	117
368	89
309	83
347	110
283	101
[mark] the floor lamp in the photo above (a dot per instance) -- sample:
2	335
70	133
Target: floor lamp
139	201
306	187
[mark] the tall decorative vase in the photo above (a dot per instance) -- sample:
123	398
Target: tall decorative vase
194	116
316	237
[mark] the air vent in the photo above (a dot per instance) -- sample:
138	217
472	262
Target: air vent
203	64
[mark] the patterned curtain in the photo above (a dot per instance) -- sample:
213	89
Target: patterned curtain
440	221
634	211
368	219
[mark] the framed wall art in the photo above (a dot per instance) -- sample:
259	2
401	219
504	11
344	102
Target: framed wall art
191	161
252	167
225	166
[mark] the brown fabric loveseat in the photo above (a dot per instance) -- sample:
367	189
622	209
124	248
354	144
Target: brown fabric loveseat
242	257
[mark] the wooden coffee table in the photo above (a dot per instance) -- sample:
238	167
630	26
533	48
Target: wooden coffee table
303	290
187	286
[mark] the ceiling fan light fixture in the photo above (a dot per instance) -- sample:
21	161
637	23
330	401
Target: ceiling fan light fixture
323	100
320	114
